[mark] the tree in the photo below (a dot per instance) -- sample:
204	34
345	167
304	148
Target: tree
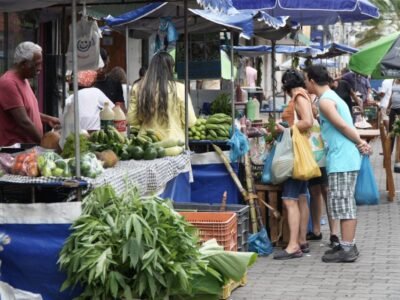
389	21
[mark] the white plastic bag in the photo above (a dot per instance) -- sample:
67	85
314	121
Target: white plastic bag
282	163
7	292
87	46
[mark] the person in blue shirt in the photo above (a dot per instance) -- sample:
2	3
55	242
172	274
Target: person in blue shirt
343	160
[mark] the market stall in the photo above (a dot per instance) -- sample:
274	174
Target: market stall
40	234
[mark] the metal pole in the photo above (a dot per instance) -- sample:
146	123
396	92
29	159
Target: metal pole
273	78
185	7
75	85
62	52
232	87
127	70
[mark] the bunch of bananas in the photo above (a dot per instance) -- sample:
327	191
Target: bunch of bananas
198	131
218	127
108	136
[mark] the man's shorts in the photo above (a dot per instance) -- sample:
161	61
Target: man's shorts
293	189
384	115
341	201
321	180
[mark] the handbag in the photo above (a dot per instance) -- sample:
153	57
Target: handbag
366	191
317	144
304	166
267	170
282	162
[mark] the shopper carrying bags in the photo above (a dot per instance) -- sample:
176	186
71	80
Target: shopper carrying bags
294	193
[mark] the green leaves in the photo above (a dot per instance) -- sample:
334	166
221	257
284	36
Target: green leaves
221	104
130	247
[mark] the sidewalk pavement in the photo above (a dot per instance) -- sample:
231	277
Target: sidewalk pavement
375	275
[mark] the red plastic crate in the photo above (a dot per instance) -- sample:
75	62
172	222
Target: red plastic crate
221	226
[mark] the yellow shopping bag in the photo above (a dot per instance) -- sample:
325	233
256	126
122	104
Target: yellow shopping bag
304	167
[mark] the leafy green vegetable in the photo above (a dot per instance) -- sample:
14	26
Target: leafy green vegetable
222	104
232	265
271	131
69	146
222	266
130	247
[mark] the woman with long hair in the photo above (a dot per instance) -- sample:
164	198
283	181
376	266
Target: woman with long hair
294	193
158	101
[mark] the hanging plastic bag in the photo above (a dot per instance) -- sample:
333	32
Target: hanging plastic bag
304	166
88	36
366	191
260	243
267	171
282	163
239	145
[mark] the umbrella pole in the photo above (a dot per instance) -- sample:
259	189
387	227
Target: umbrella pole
76	106
232	87
127	67
273	79
185	5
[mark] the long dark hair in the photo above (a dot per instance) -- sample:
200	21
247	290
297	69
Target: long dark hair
153	89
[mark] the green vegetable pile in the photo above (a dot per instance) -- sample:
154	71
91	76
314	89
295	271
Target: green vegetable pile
218	126
198	131
51	164
222	104
130	247
69	146
271	135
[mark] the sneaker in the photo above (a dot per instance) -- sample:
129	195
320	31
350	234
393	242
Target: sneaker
341	255
334	249
337	247
356	250
311	236
333	241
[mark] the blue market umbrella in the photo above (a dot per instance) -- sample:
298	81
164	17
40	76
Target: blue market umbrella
304	51
146	19
306	12
336	49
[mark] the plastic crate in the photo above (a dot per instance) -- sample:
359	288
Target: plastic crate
219	225
242	213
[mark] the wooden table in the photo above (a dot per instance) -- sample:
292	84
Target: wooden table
269	193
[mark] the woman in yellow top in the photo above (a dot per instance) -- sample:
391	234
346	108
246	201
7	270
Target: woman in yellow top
158	101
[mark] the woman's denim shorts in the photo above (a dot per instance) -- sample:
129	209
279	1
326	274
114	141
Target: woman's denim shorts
293	189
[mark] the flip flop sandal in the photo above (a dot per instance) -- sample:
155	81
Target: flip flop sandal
305	248
283	255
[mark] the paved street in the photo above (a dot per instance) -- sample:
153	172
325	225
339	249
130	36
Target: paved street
375	275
